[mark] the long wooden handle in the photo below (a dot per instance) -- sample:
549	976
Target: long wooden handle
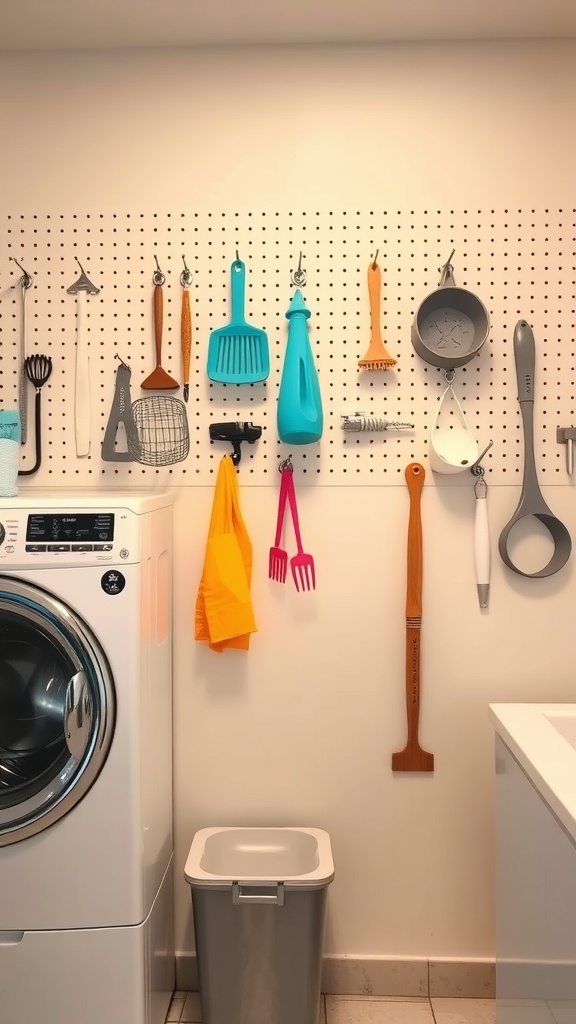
413	683
415	479
186	334
158	319
374	285
413	758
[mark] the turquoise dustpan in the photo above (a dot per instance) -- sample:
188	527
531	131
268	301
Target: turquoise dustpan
300	418
238	353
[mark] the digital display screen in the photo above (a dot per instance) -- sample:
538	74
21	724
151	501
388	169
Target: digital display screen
85	527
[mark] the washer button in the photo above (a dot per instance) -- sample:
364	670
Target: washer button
81	547
58	547
35	547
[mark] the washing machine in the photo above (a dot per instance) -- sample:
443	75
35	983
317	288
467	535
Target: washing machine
85	758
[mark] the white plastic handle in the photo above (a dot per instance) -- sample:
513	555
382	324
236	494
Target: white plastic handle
246	893
23	388
82	415
482	551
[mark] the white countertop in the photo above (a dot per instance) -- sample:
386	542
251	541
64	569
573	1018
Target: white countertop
542	738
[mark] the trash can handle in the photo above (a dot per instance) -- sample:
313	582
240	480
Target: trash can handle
243	893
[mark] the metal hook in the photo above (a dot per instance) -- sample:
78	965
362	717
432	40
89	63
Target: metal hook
476	468
375	258
446	272
26	279
449	260
286	464
237	257
83	284
116	356
449	376
186	275
298	277
158	277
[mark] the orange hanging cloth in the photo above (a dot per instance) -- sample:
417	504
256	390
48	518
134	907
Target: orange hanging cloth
224	613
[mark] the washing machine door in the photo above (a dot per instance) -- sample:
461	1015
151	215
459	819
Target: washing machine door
57	709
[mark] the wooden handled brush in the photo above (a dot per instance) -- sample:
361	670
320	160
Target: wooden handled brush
413	758
159	380
186	340
376	358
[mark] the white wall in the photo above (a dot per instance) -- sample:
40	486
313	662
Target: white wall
301	730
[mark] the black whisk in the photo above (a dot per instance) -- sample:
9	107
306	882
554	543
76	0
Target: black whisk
38	369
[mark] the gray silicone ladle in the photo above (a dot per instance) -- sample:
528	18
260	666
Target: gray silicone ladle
531	501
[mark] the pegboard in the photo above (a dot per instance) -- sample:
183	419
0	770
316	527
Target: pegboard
521	263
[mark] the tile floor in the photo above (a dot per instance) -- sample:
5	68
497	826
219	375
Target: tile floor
185	1009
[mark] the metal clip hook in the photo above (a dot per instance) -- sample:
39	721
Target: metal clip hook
298	277
26	280
158	277
186	276
446	272
286	464
476	468
480	486
448	264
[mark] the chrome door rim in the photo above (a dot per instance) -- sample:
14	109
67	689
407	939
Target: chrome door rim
72	635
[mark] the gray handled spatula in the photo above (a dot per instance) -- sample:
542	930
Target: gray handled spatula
120	416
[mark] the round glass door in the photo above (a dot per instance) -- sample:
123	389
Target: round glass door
56	709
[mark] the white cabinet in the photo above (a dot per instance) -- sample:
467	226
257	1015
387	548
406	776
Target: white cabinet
535	904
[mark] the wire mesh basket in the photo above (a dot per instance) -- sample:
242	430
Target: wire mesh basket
162	436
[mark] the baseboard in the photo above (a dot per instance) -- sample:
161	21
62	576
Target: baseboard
384	976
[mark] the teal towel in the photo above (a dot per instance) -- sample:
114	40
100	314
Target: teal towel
10	425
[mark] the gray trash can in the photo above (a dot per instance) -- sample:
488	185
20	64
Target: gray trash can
259	902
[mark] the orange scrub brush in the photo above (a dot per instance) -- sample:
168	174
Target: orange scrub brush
376	358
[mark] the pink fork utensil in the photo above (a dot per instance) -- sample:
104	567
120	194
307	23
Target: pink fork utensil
302	565
278	559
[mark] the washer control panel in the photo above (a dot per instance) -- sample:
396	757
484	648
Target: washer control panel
67	538
85	531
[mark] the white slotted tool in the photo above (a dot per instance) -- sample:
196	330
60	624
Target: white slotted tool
82	396
26	282
82	404
482	543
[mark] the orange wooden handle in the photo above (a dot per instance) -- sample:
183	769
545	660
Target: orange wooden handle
415	479
412	682
413	758
374	286
186	334
158	318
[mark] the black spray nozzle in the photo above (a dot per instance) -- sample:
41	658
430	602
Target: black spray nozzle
235	432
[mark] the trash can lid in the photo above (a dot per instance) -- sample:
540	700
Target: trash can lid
221	856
